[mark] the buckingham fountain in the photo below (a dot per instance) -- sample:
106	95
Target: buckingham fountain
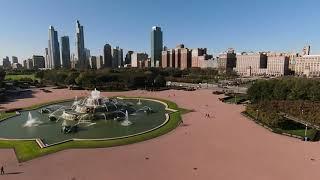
91	109
91	117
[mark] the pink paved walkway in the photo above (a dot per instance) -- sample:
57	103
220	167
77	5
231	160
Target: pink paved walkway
226	147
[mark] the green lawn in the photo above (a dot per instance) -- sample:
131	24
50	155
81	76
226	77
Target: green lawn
236	99
18	77
300	132
27	150
4	115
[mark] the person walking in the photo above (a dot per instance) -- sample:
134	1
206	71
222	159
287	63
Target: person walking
2	170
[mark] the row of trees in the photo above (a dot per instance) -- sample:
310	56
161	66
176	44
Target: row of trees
128	78
285	89
2	76
105	79
270	111
298	97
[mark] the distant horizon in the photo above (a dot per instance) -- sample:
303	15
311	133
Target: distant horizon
247	25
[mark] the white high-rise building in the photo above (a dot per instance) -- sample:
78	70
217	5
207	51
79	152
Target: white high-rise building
53	50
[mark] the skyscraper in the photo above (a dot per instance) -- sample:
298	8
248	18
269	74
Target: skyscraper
14	59
65	52
128	57
29	64
38	62
117	57
93	62
88	55
81	54
53	49
46	56
156	46
120	57
99	62
107	52
6	63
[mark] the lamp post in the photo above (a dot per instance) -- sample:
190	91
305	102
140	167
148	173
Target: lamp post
306	129
305	133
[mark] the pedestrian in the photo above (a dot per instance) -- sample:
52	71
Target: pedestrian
2	170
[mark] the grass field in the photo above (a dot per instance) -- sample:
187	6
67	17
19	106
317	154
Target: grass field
4	115
19	77
27	150
237	99
311	133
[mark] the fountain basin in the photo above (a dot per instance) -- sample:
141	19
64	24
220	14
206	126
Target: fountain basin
103	127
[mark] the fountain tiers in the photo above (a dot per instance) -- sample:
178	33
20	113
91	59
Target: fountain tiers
93	106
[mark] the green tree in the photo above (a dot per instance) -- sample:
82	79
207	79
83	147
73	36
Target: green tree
71	78
40	75
160	81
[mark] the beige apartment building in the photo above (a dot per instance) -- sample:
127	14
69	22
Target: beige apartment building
207	61
180	57
227	60
277	65
165	58
184	58
137	57
197	56
251	64
308	65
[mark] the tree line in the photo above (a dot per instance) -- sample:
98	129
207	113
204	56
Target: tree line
291	88
128	78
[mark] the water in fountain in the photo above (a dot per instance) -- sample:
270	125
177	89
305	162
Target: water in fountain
32	121
139	102
144	109
95	94
126	121
75	102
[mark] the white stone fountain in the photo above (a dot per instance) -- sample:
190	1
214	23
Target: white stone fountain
31	122
126	121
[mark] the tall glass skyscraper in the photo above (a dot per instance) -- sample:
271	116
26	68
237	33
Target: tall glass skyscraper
156	46
53	50
65	52
81	54
107	51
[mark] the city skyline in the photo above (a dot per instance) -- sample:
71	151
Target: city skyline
214	28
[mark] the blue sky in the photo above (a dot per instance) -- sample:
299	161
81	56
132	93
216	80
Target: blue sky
246	25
